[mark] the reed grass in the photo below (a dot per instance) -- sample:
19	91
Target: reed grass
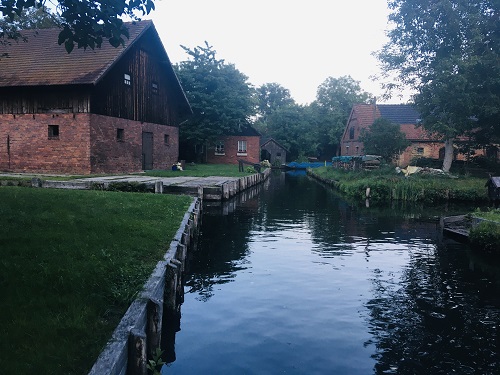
385	185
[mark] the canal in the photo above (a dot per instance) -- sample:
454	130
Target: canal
296	280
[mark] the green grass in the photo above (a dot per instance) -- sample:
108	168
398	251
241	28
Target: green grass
386	185
203	170
70	264
493	215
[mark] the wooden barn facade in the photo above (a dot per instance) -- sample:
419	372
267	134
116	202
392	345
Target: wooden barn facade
108	110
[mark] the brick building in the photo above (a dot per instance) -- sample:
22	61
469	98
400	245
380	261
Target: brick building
244	144
423	144
106	110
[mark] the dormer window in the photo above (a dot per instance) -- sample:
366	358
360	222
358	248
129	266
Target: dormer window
127	79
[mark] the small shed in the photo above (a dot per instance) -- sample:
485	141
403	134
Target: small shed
493	185
274	152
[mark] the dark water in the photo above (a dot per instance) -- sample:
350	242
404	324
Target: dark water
298	281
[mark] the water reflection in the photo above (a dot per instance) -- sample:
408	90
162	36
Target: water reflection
290	278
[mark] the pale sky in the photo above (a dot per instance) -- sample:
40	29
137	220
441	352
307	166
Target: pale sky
297	44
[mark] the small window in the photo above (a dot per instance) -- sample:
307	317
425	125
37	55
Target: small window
351	133
53	131
278	154
219	148
154	88
242	147
420	150
120	135
166	139
127	79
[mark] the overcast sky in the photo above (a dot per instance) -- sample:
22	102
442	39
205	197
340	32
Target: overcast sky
297	44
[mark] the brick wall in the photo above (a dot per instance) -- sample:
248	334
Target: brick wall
231	151
25	145
87	143
112	155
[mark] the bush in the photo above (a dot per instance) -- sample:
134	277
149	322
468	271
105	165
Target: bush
485	238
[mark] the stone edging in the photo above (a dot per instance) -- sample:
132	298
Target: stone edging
139	332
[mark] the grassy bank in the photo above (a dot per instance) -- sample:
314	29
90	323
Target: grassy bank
71	262
385	185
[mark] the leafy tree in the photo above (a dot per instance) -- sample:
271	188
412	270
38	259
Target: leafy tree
85	24
334	100
31	18
219	94
270	97
291	126
384	138
449	51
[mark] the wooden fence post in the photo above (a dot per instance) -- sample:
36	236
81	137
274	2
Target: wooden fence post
137	360
153	326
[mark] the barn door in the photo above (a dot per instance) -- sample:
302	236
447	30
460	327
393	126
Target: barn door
147	150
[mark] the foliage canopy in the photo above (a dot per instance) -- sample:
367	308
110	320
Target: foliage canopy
385	139
219	94
85	24
448	50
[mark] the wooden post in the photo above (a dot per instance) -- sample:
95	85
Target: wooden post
137	360
153	326
158	187
169	301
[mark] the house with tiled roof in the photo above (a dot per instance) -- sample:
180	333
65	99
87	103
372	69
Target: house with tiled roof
106	110
243	144
423	144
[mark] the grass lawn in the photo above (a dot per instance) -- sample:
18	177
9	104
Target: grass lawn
386	185
70	264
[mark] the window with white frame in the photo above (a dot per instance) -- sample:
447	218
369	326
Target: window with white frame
219	148
242	147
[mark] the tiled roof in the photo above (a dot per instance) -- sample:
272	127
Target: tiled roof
404	115
247	131
42	61
399	113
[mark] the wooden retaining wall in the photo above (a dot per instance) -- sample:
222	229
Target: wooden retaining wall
138	334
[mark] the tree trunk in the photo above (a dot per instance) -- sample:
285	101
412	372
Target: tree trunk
448	154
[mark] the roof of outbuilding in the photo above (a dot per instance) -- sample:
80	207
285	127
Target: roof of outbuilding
42	61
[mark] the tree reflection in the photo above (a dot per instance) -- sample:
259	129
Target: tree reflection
439	318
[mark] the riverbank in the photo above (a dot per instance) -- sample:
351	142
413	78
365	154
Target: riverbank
72	261
385	185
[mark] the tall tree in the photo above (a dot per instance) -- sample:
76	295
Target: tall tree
269	98
334	100
290	125
85	24
220	96
448	50
385	139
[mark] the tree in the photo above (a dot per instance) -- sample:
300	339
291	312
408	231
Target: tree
384	138
85	24
334	100
448	50
269	98
219	94
290	125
